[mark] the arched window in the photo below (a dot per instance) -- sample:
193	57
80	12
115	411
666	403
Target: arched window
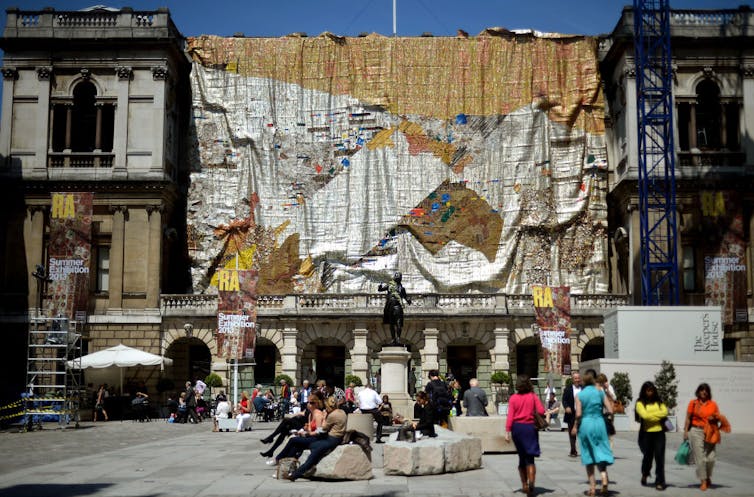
708	116
84	118
708	121
84	123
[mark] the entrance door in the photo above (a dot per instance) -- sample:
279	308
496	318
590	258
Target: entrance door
462	363
264	370
527	359
331	364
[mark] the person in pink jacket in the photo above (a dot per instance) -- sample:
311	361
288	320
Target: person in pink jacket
520	424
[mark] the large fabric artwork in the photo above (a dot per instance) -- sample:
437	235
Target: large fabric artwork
468	164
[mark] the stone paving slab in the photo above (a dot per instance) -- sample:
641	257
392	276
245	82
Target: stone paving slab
159	459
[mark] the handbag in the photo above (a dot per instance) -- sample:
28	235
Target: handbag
286	467
539	421
667	425
682	454
609	425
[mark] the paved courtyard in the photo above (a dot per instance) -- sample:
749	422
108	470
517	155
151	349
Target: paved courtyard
159	459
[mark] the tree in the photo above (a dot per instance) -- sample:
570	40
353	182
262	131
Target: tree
213	380
503	382
352	378
623	394
667	385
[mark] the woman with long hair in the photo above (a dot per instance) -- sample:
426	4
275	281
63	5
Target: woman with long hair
306	435
520	424
592	431
651	411
700	414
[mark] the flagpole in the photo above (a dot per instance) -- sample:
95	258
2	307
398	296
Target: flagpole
395	20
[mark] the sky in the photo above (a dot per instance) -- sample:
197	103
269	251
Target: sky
349	18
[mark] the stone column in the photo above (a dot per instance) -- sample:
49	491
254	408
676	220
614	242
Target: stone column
154	256
632	130
501	352
393	363
10	74
117	248
120	135
290	352
747	71
360	353
430	353
39	167
160	78
34	226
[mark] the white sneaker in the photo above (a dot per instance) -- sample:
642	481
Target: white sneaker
271	462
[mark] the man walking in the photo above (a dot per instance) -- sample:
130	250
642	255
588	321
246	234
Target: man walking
474	399
191	414
569	406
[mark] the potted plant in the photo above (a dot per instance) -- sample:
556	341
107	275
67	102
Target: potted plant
352	378
623	396
213	380
667	388
502	384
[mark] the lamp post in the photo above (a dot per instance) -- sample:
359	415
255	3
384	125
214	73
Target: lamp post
40	273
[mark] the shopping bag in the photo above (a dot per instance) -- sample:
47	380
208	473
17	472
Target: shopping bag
682	454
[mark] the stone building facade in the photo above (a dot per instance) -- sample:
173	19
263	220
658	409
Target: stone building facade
109	112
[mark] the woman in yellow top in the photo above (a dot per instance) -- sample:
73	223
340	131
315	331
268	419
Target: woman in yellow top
651	411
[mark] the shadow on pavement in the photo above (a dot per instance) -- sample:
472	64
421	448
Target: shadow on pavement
54	490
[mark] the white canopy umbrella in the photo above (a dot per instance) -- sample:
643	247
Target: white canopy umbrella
120	356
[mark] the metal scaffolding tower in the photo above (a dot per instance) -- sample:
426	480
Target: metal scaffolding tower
657	190
53	377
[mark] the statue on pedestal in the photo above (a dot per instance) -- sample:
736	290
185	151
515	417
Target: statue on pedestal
393	312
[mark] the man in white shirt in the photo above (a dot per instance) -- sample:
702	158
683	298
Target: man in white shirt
369	403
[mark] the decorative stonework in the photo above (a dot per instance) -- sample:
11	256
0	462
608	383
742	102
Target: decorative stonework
747	70
155	208
44	73
118	208
629	71
160	73
124	73
85	73
10	73
708	71
189	329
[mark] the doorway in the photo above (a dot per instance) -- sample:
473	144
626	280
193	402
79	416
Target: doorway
331	364
462	363
527	359
264	369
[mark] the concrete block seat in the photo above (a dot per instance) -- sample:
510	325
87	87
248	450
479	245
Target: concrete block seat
230	424
361	422
345	462
490	429
449	452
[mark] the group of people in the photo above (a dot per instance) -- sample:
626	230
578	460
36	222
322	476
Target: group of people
588	402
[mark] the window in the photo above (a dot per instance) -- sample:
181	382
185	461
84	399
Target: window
708	121
689	269
84	124
708	116
103	268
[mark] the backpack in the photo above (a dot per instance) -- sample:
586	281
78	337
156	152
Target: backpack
439	396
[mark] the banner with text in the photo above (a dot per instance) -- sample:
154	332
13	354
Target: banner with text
724	255
552	310
236	313
69	254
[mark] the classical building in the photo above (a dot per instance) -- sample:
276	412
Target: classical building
101	101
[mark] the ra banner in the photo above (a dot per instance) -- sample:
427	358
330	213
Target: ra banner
724	255
69	254
236	313
552	310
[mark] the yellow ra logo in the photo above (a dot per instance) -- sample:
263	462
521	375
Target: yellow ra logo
542	296
63	206
227	280
713	204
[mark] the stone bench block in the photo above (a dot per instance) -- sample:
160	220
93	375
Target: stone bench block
229	424
345	462
361	422
447	453
489	429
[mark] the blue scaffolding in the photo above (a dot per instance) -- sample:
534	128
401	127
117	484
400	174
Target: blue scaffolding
657	190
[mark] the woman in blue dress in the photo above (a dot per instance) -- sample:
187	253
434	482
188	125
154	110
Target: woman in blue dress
592	431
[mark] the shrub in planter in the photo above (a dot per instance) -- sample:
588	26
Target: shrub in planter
285	377
352	378
623	394
502	380
667	385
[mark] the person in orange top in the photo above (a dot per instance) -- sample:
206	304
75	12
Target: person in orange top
700	413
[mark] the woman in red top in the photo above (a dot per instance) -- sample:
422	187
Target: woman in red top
520	423
243	409
700	412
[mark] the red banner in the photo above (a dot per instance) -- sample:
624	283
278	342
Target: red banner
552	310
724	255
69	254
236	313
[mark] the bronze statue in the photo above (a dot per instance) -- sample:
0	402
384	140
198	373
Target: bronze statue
393	313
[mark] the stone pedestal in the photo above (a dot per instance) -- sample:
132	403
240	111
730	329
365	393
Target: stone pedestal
394	366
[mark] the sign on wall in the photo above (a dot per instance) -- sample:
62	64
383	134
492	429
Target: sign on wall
552	310
69	254
236	313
